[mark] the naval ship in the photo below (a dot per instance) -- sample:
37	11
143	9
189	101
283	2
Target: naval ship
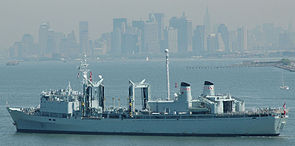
85	112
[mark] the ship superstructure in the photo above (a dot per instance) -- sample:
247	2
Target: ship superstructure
207	103
69	111
67	103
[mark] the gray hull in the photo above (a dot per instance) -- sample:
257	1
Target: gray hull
248	126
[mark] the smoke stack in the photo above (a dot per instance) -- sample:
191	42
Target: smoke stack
185	90
208	89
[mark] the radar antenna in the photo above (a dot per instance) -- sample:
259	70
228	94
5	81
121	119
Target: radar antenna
167	73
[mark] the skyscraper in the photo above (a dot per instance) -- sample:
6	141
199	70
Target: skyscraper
242	39
199	40
223	31
151	36
83	37
58	36
212	43
43	37
51	43
129	43
221	46
172	39
139	26
119	27
71	41
159	19
69	46
103	44
184	33
189	34
29	47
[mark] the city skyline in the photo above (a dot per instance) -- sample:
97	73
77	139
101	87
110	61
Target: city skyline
151	36
23	18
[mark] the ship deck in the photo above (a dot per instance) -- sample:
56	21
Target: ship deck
125	115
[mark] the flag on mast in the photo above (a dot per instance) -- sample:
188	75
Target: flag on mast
284	106
90	76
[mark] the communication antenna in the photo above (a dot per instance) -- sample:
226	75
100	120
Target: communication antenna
167	74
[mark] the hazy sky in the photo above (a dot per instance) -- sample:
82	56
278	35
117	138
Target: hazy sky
24	16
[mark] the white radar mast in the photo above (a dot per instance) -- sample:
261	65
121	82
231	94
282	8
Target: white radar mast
167	73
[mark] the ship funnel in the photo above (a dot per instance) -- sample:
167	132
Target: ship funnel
185	90
208	89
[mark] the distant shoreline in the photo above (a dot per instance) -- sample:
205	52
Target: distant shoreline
153	59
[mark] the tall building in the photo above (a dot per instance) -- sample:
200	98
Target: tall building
130	39
242	41
224	34
207	24
103	44
151	37
51	43
221	46
159	19
129	43
59	36
139	26
54	44
120	23
69	46
198	42
212	43
233	41
83	37
184	33
72	41
119	27
43	37
29	46
172	40
189	34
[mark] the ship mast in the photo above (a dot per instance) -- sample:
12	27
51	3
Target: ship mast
167	74
89	86
83	68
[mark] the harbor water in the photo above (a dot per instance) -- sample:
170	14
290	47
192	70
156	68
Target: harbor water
22	84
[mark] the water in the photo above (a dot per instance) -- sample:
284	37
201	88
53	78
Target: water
259	87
